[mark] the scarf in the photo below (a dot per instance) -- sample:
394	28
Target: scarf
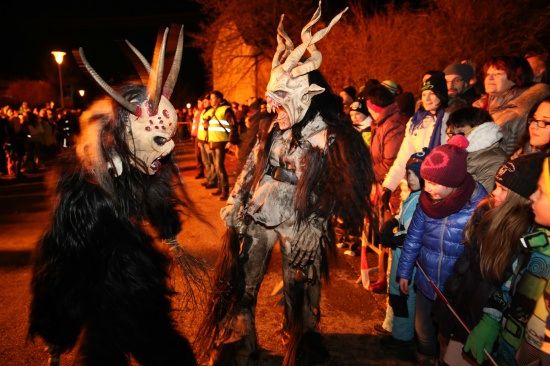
416	120
450	204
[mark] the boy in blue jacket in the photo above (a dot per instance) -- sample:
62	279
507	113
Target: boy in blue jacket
434	238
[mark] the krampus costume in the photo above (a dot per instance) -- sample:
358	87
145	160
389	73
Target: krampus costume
98	276
309	167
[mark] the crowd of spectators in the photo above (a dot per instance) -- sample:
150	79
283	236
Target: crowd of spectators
31	138
481	144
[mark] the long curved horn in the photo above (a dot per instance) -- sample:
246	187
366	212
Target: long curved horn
175	69
140	63
84	64
314	61
154	84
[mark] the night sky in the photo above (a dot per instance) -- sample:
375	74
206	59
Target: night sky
29	34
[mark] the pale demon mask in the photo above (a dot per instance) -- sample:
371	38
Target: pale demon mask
152	123
288	92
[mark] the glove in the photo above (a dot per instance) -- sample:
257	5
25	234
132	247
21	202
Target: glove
304	248
482	337
386	196
230	213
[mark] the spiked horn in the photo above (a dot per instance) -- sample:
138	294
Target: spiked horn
83	63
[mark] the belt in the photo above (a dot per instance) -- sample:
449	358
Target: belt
282	174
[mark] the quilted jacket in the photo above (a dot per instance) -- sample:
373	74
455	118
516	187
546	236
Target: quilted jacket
436	243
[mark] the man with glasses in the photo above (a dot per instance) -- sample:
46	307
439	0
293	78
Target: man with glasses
458	78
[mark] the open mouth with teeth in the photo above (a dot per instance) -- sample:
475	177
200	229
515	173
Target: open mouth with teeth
156	165
281	114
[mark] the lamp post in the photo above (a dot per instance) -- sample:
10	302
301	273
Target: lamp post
59	59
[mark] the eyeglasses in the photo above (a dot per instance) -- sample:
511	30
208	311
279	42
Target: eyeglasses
451	134
455	81
540	123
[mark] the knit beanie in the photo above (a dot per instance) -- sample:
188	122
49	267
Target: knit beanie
521	174
392	86
359	105
350	90
446	164
438	85
415	161
465	71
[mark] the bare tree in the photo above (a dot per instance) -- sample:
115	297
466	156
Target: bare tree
256	24
388	43
401	44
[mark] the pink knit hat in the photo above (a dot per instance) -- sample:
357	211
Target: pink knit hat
446	164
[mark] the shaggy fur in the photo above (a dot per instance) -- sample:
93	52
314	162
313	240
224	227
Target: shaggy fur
97	272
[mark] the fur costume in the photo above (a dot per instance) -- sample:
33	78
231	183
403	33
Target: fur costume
309	166
98	276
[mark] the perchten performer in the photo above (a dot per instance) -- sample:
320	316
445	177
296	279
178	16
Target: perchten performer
99	277
309	166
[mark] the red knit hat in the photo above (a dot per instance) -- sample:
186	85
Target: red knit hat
446	164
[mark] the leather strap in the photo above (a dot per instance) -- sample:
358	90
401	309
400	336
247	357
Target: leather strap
282	174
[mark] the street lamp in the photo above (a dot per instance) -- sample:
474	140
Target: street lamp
59	59
81	92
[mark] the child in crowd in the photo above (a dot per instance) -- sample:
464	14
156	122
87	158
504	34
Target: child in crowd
541	209
496	226
520	303
361	119
434	237
393	236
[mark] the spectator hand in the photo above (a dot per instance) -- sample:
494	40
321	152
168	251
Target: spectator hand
404	286
482	338
386	196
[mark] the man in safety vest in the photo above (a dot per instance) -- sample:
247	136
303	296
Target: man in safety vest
221	135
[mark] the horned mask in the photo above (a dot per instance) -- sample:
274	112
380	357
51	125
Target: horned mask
153	122
288	92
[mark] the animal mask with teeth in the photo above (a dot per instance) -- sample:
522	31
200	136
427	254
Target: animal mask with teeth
152	122
288	92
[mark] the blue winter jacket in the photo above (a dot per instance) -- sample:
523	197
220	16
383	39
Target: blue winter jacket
436	243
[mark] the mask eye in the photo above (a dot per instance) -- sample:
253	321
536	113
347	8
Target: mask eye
159	140
281	93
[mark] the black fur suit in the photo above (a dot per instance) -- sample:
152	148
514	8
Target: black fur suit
97	272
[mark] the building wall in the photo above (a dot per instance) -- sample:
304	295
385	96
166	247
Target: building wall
240	71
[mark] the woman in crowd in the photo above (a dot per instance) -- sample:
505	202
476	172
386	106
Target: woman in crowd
537	135
510	95
426	128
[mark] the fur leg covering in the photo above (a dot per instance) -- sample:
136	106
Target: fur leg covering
305	344
227	330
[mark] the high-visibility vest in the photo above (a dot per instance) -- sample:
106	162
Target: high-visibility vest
202	133
196	122
218	127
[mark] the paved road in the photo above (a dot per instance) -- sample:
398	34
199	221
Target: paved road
348	311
